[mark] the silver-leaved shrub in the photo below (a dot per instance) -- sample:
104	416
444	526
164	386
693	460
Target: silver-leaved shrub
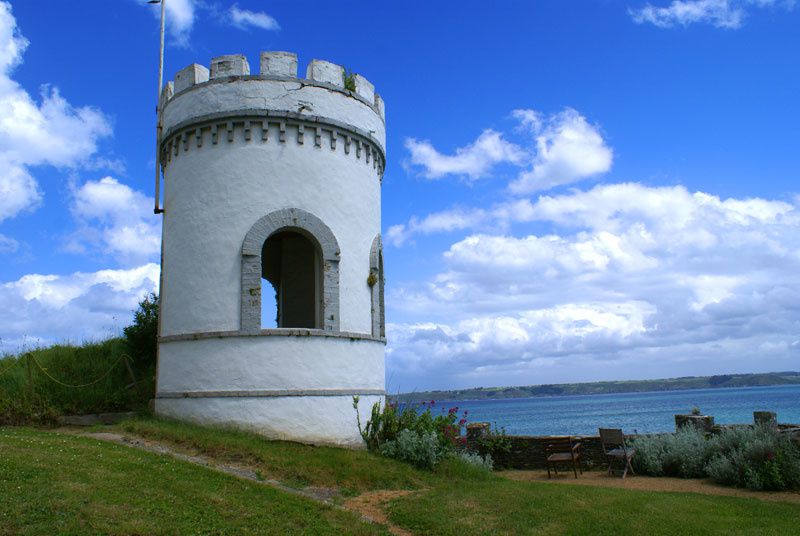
758	458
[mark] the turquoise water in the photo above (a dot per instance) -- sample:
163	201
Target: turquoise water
633	412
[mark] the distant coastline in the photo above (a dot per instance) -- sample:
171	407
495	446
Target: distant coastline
607	387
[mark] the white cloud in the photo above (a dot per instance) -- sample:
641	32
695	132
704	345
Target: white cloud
179	18
568	149
44	309
51	131
550	254
243	18
660	281
115	219
445	221
728	14
474	161
19	191
610	208
12	43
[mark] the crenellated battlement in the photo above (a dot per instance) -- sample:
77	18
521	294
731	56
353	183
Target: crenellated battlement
279	66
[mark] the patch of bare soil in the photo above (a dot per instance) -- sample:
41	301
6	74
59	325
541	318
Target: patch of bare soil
649	483
372	505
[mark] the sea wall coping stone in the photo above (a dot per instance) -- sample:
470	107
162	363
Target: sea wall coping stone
765	418
704	423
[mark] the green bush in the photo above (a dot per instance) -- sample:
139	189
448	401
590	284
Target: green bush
387	421
476	460
419	449
759	458
410	433
494	442
756	458
141	337
683	454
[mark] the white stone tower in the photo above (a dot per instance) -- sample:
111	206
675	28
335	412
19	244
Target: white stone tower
272	180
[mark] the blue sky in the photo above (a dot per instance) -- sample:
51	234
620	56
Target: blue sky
574	190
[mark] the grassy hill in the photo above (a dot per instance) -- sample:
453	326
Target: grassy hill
595	388
38	385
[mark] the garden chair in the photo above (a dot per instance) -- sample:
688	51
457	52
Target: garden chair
614	446
562	450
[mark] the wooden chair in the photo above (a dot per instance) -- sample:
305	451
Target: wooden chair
561	450
616	450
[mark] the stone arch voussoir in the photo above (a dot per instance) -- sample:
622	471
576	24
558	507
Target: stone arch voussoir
376	276
299	220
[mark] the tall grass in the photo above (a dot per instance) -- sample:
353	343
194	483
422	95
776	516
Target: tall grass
29	395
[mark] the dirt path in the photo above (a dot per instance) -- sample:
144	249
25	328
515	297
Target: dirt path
647	483
373	504
370	506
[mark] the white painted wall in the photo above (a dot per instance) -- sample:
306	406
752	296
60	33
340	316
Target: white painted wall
214	194
318	420
270	362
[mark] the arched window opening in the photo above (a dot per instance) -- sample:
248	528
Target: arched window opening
298	255
291	272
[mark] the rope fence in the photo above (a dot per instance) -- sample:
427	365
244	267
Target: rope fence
14	363
32	358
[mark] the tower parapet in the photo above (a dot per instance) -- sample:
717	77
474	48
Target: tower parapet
271	192
201	97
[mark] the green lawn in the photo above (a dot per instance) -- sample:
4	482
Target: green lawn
53	484
500	506
295	464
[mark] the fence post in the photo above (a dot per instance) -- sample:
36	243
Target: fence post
134	383
30	375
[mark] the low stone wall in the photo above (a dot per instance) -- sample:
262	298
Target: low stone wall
528	452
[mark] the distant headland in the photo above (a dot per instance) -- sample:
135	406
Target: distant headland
608	387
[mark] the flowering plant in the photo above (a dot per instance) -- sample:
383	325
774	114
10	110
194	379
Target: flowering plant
397	430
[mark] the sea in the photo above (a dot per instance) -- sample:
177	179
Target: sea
648	412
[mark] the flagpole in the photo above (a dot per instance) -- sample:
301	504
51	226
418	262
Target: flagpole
157	209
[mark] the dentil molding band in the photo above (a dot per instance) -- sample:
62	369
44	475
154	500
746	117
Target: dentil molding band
270	393
258	125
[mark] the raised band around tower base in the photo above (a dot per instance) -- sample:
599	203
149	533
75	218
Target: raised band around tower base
320	420
279	384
